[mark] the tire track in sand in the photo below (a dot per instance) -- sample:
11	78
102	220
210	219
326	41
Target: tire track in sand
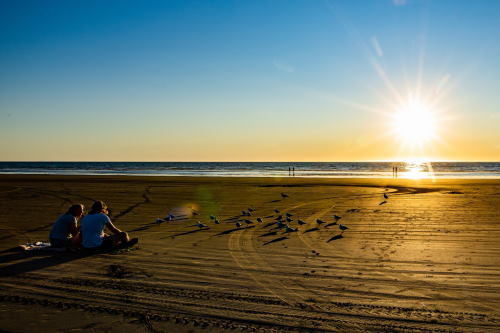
240	245
241	259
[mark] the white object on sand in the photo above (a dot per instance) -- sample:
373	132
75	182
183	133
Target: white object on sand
41	246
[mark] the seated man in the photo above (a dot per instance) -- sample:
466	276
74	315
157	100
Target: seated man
65	231
92	229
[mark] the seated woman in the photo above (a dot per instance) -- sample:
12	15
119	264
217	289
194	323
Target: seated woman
92	229
65	231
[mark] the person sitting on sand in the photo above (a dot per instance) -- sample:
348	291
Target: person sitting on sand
92	229
65	231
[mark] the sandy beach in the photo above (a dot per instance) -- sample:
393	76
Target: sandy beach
427	259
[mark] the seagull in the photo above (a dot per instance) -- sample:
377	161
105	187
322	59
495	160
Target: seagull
279	218
300	222
288	214
169	217
217	221
159	221
259	220
336	217
276	211
248	222
201	225
343	227
238	224
386	196
251	209
212	217
289	219
283	195
318	221
280	224
289	229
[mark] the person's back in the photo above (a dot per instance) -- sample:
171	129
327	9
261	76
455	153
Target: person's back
92	229
65	227
61	229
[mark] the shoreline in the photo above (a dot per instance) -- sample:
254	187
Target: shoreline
258	176
406	170
278	180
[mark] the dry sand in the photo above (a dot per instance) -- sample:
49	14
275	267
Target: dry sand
426	260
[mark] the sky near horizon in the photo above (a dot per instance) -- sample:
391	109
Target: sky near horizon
247	80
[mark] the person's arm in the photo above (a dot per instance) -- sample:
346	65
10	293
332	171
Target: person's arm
112	228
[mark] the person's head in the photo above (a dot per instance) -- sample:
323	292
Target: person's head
99	207
76	210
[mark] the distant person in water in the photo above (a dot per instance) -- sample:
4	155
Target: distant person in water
65	231
92	229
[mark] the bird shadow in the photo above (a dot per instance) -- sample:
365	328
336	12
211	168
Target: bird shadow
140	228
226	232
272	233
268	224
311	230
186	233
272	201
276	240
382	203
335	238
269	216
330	224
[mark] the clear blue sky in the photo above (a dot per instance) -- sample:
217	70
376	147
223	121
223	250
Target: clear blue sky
244	80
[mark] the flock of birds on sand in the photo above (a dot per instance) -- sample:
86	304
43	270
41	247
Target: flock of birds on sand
282	221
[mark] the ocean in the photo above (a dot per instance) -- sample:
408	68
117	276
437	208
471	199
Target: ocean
262	169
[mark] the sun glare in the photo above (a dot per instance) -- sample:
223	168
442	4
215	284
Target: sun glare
414	123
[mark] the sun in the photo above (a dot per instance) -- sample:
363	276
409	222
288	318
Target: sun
414	123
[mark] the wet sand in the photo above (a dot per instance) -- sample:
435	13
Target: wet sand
427	259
